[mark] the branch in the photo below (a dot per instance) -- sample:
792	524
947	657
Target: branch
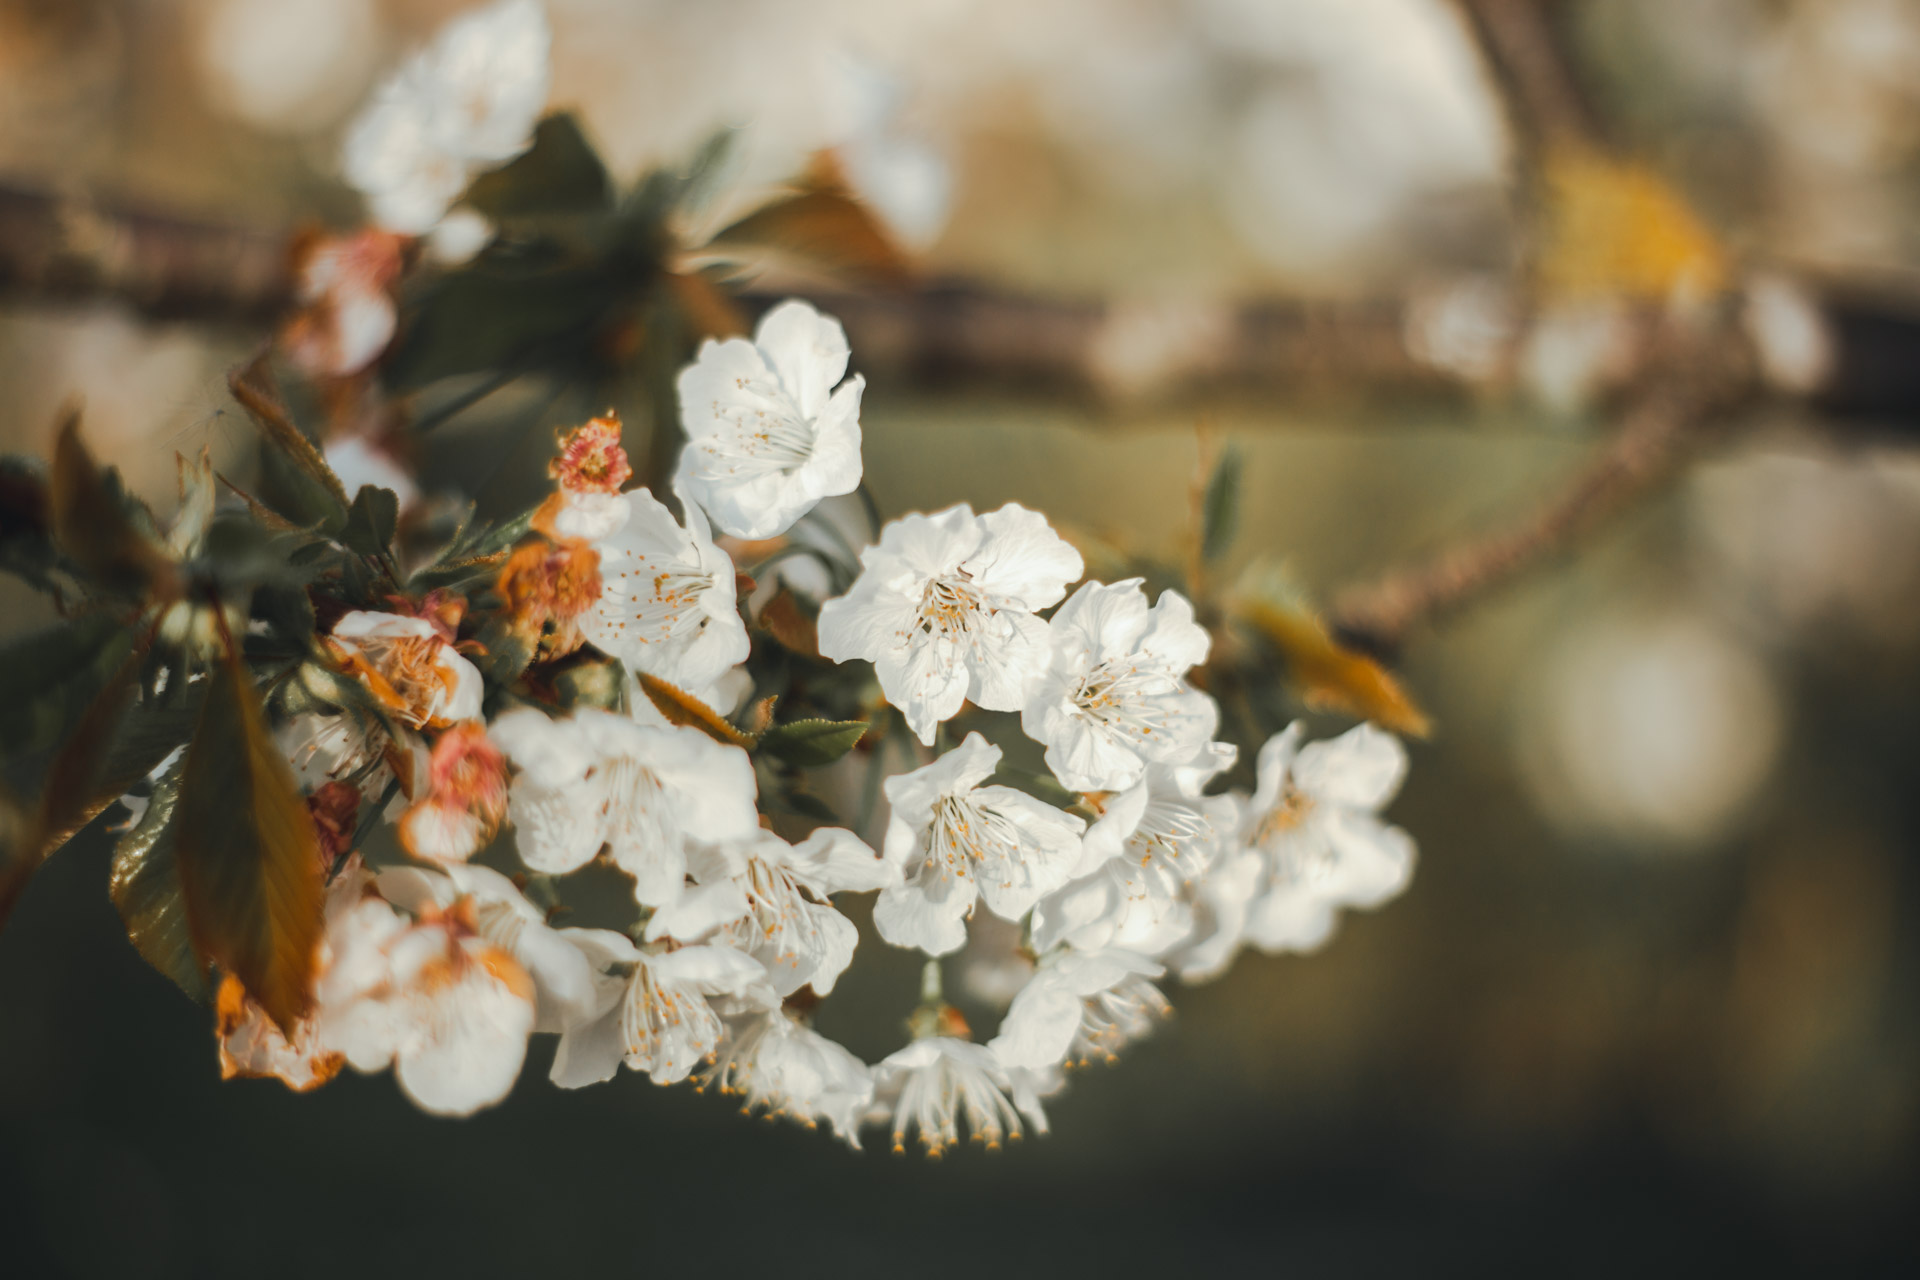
1660	431
69	248
1524	54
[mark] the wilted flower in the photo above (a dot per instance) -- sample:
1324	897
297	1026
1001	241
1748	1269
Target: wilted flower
955	840
642	792
410	665
775	1064
546	587
667	604
590	471
459	803
1114	698
1079	1005
767	434
468	100
944	610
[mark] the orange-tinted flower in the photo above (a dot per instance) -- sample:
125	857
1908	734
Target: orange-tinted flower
334	808
591	459
546	586
464	800
409	664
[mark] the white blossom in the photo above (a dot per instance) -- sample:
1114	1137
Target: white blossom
937	1086
667	606
1114	699
563	977
785	920
641	791
654	1010
1080	1005
468	100
774	1064
1130	888
1314	822
954	840
768	436
944	609
1313	843
449	1011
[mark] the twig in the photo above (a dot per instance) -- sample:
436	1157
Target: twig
1537	84
1676	413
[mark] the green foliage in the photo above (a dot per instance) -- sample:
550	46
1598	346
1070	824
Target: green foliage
49	677
812	742
560	174
371	522
1220	506
145	886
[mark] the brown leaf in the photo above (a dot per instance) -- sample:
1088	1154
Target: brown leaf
823	227
709	312
1333	677
681	707
90	521
790	625
248	858
253	388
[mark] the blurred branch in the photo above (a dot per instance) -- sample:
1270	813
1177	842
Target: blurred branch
1520	41
1683	407
60	247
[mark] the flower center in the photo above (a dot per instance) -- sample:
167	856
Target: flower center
951	606
1125	697
768	434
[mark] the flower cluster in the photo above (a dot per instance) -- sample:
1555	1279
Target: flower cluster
1121	869
434	741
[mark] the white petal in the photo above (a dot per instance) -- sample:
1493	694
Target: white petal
806	349
907	916
1360	769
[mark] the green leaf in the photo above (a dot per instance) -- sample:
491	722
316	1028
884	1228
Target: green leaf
49	677
812	742
1220	507
560	173
248	857
145	886
482	320
371	522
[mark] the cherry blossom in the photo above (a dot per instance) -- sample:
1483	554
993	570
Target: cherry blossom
775	1064
768	436
667	606
944	609
1130	888
786	921
954	840
643	792
459	797
1113	698
1079	1005
655	1010
467	101
938	1086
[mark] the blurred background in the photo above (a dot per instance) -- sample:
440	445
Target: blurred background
1653	1000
